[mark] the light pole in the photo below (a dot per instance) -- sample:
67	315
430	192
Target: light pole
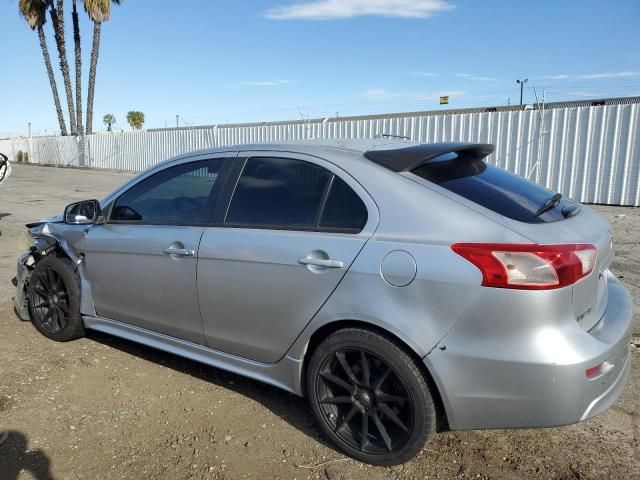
522	82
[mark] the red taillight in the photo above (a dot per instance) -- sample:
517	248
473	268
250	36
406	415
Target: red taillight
529	266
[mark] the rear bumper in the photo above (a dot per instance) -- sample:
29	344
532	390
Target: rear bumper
534	376
607	398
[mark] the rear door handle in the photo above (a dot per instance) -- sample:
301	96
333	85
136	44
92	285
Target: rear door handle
321	262
182	252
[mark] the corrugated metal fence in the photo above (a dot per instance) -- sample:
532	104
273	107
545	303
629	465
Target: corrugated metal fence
44	150
590	153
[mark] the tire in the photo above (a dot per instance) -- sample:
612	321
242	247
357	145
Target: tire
346	399
54	299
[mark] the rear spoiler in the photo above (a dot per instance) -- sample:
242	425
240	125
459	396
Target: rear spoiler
405	159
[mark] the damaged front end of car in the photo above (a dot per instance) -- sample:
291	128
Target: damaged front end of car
46	239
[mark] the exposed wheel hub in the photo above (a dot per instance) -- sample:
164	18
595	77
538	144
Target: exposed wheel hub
363	399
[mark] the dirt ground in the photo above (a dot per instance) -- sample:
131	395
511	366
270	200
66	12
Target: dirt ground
106	408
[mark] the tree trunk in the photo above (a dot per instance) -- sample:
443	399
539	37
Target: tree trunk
58	27
52	80
95	51
78	51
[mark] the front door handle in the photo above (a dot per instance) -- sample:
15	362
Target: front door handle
321	262
182	252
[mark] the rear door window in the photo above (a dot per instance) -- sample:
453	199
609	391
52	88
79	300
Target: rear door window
289	194
278	193
498	190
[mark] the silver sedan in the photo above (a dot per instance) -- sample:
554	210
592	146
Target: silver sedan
403	288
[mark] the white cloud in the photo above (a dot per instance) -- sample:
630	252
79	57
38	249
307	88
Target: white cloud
593	76
336	9
609	75
266	83
425	74
474	77
379	93
562	76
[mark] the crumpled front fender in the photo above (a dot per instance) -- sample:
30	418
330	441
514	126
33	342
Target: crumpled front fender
22	278
48	236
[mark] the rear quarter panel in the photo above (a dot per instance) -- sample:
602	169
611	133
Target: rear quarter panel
424	224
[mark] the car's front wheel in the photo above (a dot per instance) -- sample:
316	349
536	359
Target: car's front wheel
54	299
370	396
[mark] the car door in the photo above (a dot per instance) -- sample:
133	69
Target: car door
142	262
293	226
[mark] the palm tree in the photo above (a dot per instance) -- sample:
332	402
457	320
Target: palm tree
35	14
99	11
78	53
109	119
135	119
57	18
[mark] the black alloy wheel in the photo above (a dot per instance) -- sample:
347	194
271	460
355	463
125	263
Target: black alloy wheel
371	395
49	300
365	401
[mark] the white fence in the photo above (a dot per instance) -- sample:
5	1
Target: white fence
44	150
590	153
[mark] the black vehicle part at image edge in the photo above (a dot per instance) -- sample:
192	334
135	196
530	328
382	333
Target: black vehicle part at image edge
4	167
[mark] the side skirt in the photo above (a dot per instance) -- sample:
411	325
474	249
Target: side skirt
285	374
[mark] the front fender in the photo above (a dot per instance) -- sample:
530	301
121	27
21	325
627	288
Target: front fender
49	237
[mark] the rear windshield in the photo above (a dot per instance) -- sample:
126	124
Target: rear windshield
496	189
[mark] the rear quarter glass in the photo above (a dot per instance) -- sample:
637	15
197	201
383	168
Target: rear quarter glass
503	192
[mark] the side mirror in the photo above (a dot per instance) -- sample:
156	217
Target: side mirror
86	212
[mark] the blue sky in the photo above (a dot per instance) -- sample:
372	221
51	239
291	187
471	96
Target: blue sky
222	61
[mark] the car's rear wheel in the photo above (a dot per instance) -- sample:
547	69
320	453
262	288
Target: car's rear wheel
370	396
54	299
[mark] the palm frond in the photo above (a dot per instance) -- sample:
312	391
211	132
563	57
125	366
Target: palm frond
98	10
34	12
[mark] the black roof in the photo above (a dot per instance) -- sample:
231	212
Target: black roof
407	158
